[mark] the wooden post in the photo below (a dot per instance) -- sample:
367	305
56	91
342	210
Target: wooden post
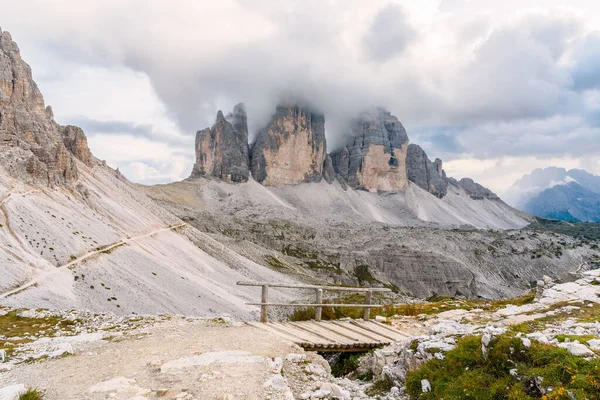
264	309
367	310
319	310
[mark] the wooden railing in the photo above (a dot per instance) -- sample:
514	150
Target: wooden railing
318	305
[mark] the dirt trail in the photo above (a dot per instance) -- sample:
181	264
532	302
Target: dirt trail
85	256
230	360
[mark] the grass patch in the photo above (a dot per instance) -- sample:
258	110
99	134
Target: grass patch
465	373
18	330
380	387
32	394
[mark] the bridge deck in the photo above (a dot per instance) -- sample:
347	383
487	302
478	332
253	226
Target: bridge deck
335	336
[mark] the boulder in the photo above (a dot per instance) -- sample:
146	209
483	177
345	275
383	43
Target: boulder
375	157
222	151
291	149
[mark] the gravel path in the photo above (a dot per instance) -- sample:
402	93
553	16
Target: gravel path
175	359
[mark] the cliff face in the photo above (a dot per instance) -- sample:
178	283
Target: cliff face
34	147
424	173
291	149
222	151
375	159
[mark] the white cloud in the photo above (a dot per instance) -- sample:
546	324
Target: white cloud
471	80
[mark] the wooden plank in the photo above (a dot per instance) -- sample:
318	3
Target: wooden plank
324	287
333	305
313	332
271	329
363	326
306	336
338	331
318	327
348	329
360	331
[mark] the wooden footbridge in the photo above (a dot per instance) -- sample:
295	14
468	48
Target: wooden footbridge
345	335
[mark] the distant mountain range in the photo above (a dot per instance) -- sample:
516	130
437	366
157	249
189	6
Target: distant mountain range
556	193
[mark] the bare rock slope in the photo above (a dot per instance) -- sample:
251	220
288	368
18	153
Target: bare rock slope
75	233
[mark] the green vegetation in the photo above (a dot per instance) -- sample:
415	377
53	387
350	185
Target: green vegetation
18	330
345	364
465	373
32	394
332	313
380	387
583	230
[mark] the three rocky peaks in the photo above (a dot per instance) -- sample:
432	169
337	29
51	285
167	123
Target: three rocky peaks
292	149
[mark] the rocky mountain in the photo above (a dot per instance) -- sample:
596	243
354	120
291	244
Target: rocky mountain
375	158
291	149
34	146
222	151
76	233
556	193
424	173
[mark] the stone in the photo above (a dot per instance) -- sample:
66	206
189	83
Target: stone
292	148
375	157
222	151
33	146
577	349
276	382
426	174
12	392
119	385
526	342
2	355
425	386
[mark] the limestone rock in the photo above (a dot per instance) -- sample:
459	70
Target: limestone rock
291	149
328	171
473	189
426	174
375	158
34	147
222	151
75	140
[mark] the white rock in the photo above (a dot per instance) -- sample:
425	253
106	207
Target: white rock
513	372
526	342
577	349
276	382
594	344
295	358
380	318
2	355
12	392
425	386
60	350
5	367
119	385
486	339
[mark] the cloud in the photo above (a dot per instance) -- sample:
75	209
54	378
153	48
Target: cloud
389	34
472	80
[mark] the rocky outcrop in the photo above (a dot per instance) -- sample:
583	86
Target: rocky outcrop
222	151
75	141
375	158
291	149
424	173
474	189
34	147
328	171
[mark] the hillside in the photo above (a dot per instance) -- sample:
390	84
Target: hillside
76	234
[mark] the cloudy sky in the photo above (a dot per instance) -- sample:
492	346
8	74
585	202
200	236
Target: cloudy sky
493	87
